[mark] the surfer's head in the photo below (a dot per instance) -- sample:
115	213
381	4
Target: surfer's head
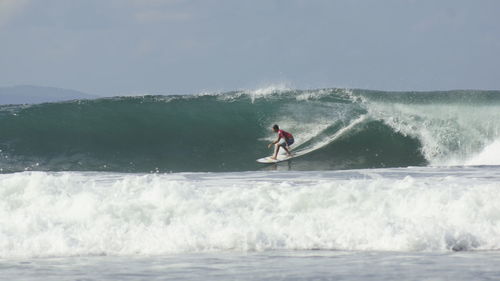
276	128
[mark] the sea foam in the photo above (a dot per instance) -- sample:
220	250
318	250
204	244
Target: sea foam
413	209
489	156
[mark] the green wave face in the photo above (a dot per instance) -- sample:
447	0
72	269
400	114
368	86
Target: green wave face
227	132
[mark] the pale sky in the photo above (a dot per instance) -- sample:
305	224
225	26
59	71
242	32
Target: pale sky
112	47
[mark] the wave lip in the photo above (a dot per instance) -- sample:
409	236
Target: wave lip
67	214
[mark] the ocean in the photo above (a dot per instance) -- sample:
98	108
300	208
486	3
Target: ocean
397	186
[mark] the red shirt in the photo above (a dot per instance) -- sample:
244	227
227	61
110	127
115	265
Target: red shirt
285	135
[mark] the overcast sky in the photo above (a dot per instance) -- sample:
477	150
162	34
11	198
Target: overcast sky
110	47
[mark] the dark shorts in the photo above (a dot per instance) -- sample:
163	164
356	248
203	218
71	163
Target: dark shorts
288	142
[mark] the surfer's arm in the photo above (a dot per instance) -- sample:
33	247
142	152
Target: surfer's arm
274	142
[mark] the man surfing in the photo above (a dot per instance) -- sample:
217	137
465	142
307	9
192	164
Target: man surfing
284	140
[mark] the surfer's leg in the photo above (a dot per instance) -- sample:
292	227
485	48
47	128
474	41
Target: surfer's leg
281	143
287	151
276	149
287	146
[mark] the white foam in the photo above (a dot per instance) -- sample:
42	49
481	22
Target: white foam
321	93
489	156
313	95
450	134
65	214
264	92
270	89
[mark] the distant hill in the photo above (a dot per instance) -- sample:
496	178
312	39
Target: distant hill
33	94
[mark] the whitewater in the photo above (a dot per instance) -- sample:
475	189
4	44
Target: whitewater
396	186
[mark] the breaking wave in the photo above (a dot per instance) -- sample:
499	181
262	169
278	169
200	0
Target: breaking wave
343	129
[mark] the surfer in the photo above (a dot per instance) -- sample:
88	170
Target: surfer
285	139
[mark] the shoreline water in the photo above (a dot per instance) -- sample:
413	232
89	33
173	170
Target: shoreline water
269	265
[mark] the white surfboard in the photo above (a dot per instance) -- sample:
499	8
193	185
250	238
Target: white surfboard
279	158
282	156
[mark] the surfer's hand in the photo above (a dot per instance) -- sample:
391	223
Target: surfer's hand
269	145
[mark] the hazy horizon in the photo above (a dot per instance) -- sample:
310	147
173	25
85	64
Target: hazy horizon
129	47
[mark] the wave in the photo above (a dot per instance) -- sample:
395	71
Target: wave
72	213
228	131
